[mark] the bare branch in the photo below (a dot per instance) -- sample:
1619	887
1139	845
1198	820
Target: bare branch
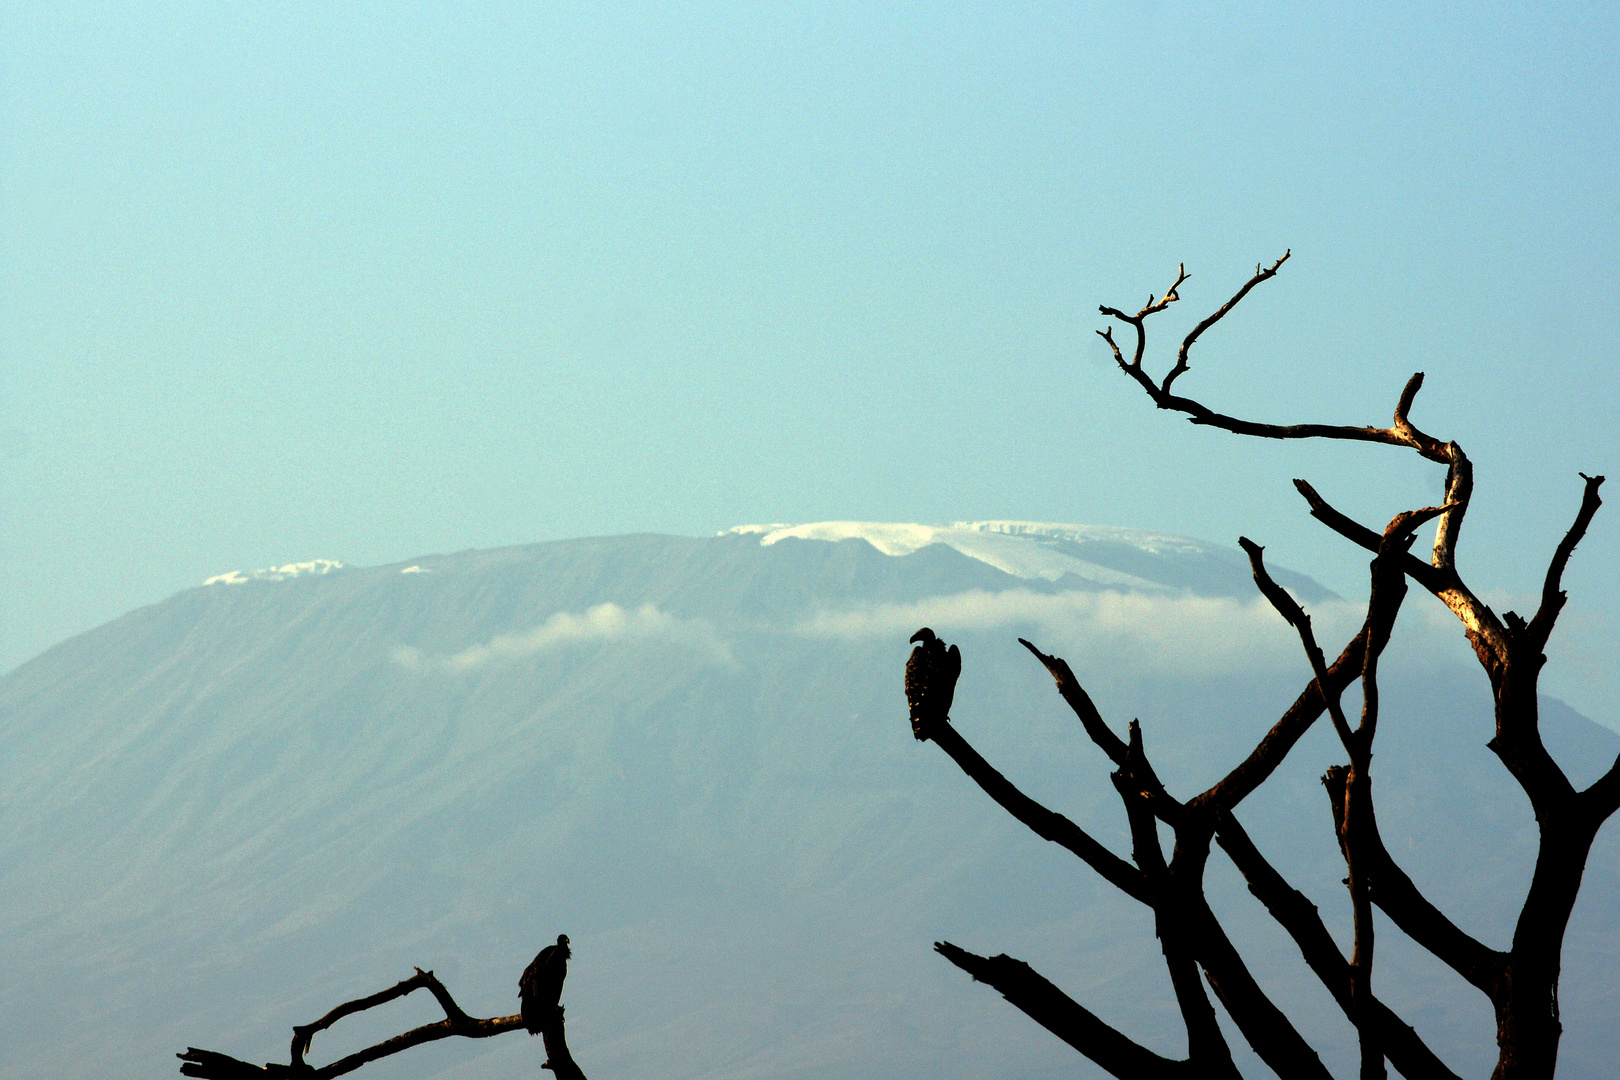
1064	1017
1295	615
1603	798
1299	917
1552	594
1387	591
472	1029
1189	929
1206	1046
1073	693
1419	919
1227	973
1153	307
1400	433
1266	1027
1042	822
1274	746
1203	415
1440	577
1385	594
1187	342
1345	526
558	1059
215	1066
1403	406
1459	492
1177	897
303	1033
1351	820
1128	757
1424	574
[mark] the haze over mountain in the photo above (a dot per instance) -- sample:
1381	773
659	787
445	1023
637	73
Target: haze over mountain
223	814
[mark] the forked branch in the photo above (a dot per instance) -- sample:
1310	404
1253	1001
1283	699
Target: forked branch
1402	432
1440	577
211	1065
1187	342
1189	931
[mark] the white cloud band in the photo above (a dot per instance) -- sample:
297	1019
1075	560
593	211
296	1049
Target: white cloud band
1177	634
601	625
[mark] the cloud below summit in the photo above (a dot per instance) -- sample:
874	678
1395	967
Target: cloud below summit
1172	634
604	624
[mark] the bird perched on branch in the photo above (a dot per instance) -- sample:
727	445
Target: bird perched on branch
540	988
931	675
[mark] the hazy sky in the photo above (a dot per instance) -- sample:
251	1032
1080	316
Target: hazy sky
366	282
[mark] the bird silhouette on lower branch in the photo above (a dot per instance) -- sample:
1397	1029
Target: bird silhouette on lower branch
540	988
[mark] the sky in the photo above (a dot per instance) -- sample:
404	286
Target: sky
367	282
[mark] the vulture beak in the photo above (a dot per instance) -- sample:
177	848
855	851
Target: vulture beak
924	634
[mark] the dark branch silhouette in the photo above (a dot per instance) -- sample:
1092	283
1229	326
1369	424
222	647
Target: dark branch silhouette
1520	981
543	1016
1059	1013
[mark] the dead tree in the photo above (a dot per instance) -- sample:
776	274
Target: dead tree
1520	977
215	1066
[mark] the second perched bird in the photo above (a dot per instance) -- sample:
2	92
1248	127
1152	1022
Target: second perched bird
931	675
540	988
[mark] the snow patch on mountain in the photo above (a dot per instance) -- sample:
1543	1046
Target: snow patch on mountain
1026	549
313	567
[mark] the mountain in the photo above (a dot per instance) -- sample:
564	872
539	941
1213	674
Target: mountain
225	813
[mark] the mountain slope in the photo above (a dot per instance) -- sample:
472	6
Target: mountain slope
226	812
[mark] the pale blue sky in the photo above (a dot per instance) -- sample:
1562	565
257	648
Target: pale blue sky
366	282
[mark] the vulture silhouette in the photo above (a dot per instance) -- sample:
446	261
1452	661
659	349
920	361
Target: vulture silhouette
540	989
931	675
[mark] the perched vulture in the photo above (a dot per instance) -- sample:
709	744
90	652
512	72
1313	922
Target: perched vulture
930	681
540	989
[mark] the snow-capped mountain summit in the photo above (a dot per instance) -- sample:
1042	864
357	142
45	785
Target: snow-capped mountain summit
276	573
1097	556
893	538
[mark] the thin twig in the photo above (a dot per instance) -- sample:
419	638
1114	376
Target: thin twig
1187	343
1552	593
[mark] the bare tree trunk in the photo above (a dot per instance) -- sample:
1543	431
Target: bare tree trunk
1521	982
